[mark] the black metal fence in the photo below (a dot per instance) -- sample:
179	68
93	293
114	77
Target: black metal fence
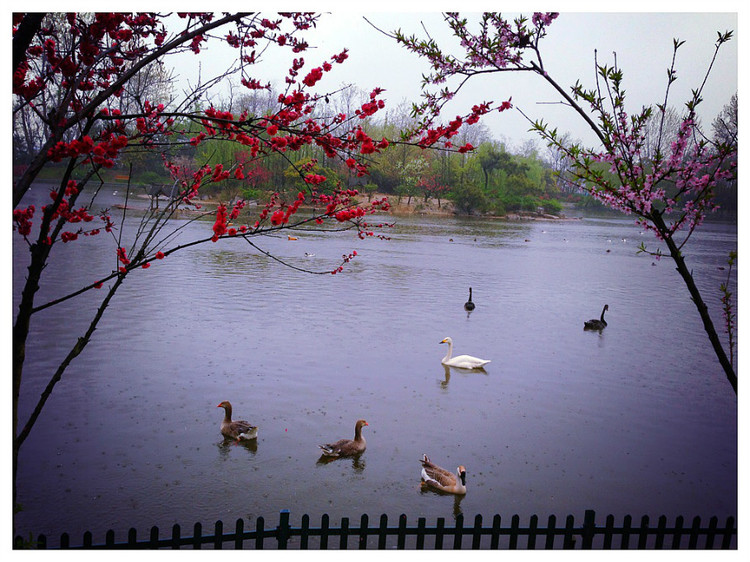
588	535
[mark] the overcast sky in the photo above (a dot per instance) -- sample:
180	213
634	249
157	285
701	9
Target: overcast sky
642	40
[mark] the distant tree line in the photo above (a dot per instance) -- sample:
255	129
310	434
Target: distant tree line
494	178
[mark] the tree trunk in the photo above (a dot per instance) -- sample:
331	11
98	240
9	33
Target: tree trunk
708	324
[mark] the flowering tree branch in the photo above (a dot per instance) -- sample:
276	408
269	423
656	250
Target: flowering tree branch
72	77
669	193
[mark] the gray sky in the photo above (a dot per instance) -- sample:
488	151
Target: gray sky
642	41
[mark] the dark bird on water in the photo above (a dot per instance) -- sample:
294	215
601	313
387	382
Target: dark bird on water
595	324
469	304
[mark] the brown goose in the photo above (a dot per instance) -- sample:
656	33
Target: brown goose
239	430
443	480
347	447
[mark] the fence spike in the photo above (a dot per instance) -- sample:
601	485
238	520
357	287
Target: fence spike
175	536
239	532
154	541
324	523
401	542
549	543
589	528
729	530
643	533
197	535
677	536
495	536
305	532
283	529
515	522
363	527
457	537
259	535
569	541
440	532
382	530
421	526
660	532
218	534
476	541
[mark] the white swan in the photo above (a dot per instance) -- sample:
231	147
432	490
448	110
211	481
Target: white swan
461	361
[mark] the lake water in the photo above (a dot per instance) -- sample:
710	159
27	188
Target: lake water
638	419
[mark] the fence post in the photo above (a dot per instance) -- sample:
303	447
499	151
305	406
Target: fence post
197	534
363	526
608	531
65	540
533	523
344	536
175	536
218	532
678	532
693	543
239	532
304	532
726	541
626	525
324	532
589	528
459	531
515	521
109	539
260	533
153	541
283	530
421	524
439	533
382	530
401	542
569	542
660	532
132	537
643	533
549	543
477	540
495	537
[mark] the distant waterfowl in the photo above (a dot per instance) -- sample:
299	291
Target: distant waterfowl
469	304
461	361
347	447
239	430
443	480
595	324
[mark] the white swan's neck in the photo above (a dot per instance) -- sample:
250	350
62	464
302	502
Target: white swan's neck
450	352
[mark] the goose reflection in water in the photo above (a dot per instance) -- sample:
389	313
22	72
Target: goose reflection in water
226	445
358	461
457	499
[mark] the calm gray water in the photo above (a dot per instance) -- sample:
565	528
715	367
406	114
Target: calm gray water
636	420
